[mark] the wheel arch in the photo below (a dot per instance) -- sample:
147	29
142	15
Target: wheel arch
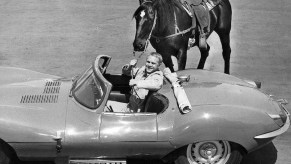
224	123
170	157
7	153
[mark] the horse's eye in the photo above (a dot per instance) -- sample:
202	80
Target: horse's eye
142	14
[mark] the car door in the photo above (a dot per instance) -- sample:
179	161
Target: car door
132	127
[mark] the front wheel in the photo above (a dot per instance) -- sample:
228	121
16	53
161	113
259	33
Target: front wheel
7	156
209	152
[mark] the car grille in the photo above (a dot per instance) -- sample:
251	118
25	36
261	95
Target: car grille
39	99
50	94
52	87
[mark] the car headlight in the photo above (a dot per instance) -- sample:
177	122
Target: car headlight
280	118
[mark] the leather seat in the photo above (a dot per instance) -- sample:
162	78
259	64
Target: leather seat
156	103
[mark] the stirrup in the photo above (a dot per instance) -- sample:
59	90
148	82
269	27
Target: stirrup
191	43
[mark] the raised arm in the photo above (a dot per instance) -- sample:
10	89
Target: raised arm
130	69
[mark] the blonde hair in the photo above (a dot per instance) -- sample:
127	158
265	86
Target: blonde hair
157	55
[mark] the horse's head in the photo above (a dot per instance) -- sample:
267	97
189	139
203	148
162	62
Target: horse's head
145	20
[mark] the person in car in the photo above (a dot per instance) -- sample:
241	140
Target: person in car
145	79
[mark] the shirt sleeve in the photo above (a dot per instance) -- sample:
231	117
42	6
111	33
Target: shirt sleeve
154	82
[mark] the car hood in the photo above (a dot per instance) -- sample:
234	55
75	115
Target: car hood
207	88
224	108
32	105
16	75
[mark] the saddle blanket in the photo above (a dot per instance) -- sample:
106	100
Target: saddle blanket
210	4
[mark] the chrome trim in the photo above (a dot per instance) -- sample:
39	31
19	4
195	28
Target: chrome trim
286	111
96	161
274	116
276	132
126	114
282	101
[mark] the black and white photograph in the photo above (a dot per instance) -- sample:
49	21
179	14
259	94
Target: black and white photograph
145	82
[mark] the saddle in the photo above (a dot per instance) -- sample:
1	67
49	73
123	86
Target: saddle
199	11
188	4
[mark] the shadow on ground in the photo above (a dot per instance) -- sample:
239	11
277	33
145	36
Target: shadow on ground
265	155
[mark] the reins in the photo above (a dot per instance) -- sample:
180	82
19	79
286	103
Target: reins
177	31
146	46
158	38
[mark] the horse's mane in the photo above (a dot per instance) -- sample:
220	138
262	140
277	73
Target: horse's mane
165	9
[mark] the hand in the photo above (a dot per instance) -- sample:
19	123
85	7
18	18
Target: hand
132	82
125	67
133	62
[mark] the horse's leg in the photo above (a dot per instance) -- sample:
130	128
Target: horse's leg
226	50
182	58
175	63
223	30
204	55
168	61
169	57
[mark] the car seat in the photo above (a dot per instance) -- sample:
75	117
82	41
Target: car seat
156	103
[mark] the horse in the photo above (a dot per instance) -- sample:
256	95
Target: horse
167	25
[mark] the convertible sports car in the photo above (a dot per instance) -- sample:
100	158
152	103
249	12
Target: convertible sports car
45	117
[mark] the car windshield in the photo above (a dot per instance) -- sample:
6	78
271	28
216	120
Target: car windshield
89	91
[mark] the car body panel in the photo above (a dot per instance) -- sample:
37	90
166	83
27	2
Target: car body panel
166	119
17	75
117	150
81	124
203	76
33	109
277	132
43	117
128	127
205	125
229	94
221	104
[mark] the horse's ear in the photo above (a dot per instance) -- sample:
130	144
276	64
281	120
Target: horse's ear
142	1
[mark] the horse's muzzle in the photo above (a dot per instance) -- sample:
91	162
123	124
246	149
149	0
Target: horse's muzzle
138	46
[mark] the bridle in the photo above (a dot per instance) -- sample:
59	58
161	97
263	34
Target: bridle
154	24
158	38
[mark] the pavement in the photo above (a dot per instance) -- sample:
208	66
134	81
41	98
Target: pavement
63	37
